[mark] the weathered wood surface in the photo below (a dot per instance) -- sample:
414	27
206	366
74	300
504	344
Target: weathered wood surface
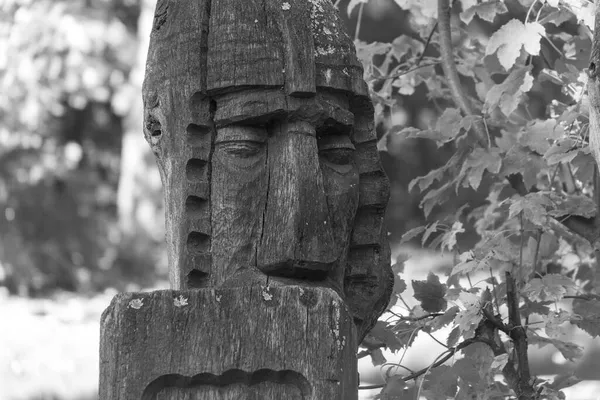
262	127
263	131
254	342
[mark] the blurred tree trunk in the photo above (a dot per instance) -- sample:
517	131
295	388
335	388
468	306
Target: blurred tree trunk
139	194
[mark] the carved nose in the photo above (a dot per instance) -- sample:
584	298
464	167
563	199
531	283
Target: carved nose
297	235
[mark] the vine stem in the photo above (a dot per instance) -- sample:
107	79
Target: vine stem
407	71
359	21
530	10
441	360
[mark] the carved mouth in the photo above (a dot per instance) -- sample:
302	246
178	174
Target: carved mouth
306	270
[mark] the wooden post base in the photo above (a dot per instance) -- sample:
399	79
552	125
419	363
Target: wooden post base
248	343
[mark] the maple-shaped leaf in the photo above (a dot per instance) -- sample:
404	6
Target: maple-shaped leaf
589	311
440	383
431	228
399	285
583	165
486	11
448	239
450	123
467	370
556	17
507	41
382	332
406	83
499	363
423	10
442	320
426	181
507	95
366	52
537	134
394	388
562	151
548	393
377	357
534	207
497	247
520	160
570	351
482	357
435	197
430	293
405	332
534	307
467	263
414	133
549	287
564	381
404	45
584	11
453	337
468	318
411	234
553	322
477	163
548	245
575	205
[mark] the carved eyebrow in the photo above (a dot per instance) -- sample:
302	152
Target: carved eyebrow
335	111
335	142
238	133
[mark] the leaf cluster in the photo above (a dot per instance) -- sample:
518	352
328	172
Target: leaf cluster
508	86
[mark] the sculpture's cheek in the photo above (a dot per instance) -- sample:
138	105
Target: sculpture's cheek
342	191
238	196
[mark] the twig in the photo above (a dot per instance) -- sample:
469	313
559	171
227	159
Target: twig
537	251
408	71
495	321
586	297
427	43
404	302
415	319
496	302
437	340
359	20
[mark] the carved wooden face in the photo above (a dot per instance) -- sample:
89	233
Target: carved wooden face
284	195
263	132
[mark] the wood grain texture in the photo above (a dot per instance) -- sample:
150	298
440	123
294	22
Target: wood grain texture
291	341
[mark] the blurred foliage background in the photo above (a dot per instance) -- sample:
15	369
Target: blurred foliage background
80	198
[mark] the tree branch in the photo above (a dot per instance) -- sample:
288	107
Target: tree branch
517	333
451	73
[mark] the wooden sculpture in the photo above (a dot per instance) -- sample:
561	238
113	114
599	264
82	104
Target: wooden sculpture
262	127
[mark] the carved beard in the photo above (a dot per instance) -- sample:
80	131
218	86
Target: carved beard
283	202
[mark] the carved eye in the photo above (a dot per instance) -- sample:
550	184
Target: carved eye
336	149
153	127
243	148
338	156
